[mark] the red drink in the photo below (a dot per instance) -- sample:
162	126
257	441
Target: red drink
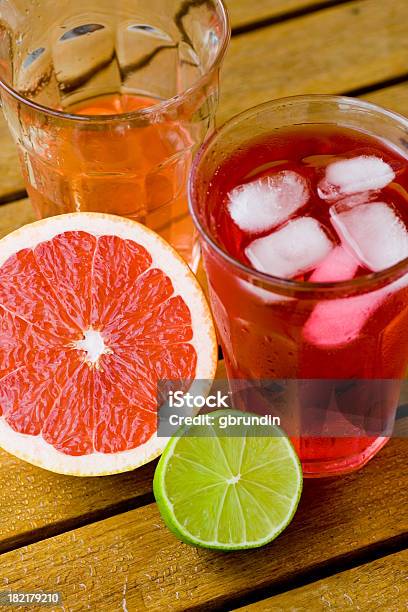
314	203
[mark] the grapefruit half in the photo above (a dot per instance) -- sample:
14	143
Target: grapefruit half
94	310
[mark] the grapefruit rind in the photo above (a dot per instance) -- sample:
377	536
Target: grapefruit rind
36	450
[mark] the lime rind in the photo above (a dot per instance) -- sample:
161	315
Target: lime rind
238	506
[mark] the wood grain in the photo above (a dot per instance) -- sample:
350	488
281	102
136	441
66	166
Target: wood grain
394	98
133	553
332	51
35	504
243	14
14	215
131	561
379	585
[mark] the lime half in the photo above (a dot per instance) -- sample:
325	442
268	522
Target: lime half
228	492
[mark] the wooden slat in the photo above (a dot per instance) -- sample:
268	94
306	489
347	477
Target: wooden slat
14	215
35	504
395	98
332	51
134	553
244	12
379	585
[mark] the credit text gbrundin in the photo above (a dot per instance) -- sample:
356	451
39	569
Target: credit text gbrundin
226	420
179	399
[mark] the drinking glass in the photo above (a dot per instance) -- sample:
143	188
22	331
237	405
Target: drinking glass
341	400
107	102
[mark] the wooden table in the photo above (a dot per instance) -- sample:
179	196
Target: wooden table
101	541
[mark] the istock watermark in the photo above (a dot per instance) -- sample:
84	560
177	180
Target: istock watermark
179	399
192	406
352	408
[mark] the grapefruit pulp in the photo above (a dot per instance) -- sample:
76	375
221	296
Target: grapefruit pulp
94	311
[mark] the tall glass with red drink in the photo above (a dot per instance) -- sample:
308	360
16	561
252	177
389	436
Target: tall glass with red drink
302	207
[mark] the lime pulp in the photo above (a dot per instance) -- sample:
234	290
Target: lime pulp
228	492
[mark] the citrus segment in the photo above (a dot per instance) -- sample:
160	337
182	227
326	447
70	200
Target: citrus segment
28	393
94	311
24	292
66	265
128	262
228	492
69	424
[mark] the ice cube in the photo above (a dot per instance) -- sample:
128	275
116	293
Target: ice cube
347	202
355	175
269	201
339	265
297	247
337	322
374	233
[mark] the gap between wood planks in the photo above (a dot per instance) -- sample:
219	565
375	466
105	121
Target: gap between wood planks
376	87
13	197
376	585
353	560
295	13
72	524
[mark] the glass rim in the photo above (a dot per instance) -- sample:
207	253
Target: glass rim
379	278
160	108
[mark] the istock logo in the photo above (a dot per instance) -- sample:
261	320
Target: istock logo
178	399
